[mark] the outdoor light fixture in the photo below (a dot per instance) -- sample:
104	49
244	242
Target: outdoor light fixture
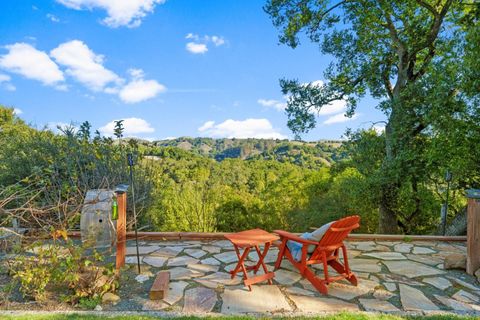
131	164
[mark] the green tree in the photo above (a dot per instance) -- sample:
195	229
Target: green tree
408	54
118	129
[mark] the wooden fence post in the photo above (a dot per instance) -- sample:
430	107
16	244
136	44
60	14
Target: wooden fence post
121	229
473	231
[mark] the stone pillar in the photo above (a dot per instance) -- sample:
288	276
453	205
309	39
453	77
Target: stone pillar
473	231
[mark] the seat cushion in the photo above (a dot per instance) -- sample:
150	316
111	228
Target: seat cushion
317	235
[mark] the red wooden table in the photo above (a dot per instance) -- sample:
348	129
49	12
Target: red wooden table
248	240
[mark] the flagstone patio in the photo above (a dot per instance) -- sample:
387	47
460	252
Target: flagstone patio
394	277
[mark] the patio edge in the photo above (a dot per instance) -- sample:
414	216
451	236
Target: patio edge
220	236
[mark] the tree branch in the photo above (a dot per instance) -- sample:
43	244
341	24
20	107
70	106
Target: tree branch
428	7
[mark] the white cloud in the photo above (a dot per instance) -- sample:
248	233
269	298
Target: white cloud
136	73
217	41
339	118
196	48
84	65
52	17
271	103
17	111
132	126
4	78
249	128
199	44
138	89
333	107
207	125
31	63
379	128
120	12
5	82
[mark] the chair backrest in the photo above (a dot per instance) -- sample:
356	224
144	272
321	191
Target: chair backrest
339	230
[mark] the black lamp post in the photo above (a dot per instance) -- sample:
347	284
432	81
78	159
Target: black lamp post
131	164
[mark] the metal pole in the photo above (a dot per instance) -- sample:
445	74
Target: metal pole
130	164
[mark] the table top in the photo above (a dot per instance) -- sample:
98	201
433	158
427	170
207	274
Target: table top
252	237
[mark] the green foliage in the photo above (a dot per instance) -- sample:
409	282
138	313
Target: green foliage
62	267
305	154
52	172
419	59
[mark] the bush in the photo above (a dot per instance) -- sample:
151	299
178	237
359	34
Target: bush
62	270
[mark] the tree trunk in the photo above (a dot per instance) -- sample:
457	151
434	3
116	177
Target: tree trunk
387	221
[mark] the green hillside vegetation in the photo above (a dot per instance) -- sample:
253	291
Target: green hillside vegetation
271	184
306	154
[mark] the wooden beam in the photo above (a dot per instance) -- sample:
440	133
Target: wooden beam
165	236
121	230
159	289
473	235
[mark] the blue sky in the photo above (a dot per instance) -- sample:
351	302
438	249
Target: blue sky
170	68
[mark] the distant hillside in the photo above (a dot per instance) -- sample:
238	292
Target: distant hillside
308	154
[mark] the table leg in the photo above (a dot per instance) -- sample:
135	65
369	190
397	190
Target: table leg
261	257
241	265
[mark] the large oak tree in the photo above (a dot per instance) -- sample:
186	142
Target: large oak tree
413	56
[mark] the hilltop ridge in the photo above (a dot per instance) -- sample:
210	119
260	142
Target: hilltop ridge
308	154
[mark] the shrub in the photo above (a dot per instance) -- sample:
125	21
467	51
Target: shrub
74	273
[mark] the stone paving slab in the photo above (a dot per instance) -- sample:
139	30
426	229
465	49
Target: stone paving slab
199	300
262	298
411	269
376	305
386	255
319	305
414	300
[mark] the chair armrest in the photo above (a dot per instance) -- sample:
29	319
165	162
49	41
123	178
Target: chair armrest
293	237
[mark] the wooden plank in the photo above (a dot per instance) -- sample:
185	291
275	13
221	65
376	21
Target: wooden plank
473	235
159	289
259	278
121	230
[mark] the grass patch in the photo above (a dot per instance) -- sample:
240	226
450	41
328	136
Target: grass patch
337	316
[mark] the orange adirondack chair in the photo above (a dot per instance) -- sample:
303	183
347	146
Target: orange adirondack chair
326	252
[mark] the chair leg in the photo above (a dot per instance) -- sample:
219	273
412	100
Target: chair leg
281	253
315	281
342	270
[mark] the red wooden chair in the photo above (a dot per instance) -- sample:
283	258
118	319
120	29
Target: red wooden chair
326	252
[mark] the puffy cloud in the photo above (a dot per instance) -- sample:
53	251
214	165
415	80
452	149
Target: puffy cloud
24	59
339	118
5	82
196	48
217	41
84	65
132	126
199	44
17	111
138	89
249	128
207	125
333	107
120	12
271	103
